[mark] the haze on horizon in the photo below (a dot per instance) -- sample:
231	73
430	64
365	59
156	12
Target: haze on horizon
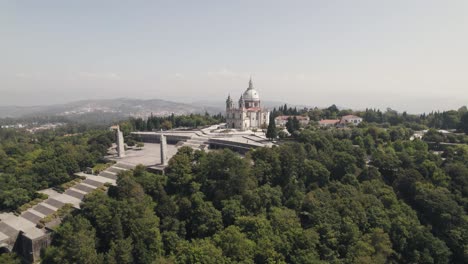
407	55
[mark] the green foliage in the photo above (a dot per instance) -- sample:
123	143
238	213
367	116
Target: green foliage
172	121
452	119
464	123
98	168
361	195
26	206
14	197
9	258
61	213
125	224
199	251
120	251
224	174
205	220
235	244
74	242
271	131
30	162
292	124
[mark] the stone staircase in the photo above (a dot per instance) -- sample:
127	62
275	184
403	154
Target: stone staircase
11	224
196	143
114	170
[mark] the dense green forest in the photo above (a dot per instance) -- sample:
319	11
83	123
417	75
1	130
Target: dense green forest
172	121
30	162
365	194
361	195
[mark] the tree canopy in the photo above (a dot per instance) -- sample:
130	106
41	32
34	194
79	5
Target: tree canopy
30	162
361	195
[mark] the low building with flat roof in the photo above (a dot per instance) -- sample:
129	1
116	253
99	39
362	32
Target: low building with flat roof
280	121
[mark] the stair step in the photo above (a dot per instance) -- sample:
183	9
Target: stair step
74	194
31	217
115	170
108	175
8	230
124	166
93	183
43	209
111	176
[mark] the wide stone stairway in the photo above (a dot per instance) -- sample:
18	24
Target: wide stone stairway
196	143
27	222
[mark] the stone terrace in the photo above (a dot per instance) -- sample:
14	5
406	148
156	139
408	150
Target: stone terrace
11	224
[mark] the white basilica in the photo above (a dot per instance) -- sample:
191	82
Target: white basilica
249	114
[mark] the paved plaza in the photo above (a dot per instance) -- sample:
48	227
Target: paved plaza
149	155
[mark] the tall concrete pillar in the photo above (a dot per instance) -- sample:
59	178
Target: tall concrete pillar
120	144
163	150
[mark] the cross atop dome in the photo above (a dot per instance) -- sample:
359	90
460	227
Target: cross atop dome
250	83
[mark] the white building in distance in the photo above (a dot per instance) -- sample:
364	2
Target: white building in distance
249	114
280	121
350	119
344	121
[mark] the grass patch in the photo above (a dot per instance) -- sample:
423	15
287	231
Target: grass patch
60	213
39	198
98	168
62	187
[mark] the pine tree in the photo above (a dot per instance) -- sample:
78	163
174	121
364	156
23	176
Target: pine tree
463	123
296	124
271	131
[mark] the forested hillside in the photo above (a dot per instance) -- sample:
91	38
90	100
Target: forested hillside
172	121
31	162
359	195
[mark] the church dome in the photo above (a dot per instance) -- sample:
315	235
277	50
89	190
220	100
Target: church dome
251	94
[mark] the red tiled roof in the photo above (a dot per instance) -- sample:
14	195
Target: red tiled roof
349	117
329	121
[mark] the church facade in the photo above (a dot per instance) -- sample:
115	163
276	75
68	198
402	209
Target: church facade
248	114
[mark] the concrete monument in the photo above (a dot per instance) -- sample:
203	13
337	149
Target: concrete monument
163	150
120	144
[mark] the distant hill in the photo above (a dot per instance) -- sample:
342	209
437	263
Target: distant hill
267	104
123	107
105	111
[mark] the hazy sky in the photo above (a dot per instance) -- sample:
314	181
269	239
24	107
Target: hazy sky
407	55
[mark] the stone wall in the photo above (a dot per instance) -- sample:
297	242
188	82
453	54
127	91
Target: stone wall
30	248
155	138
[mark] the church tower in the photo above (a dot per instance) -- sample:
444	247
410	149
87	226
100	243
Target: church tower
241	102
229	103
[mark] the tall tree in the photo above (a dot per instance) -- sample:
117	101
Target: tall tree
464	123
74	242
271	131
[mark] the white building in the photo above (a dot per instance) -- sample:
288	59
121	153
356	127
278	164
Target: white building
343	122
249	114
281	121
350	119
